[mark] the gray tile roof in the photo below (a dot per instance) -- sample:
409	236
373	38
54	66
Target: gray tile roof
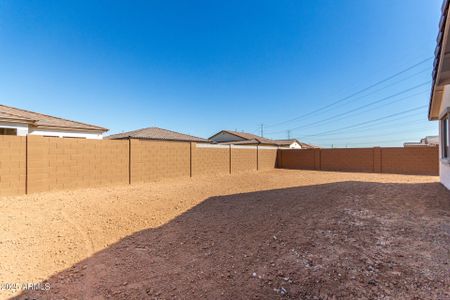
12	114
156	133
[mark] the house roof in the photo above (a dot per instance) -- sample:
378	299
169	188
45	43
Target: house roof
156	133
249	142
441	66
38	120
251	139
288	142
246	136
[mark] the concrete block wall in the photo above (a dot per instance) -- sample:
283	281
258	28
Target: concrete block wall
40	164
292	159
12	165
410	161
155	160
267	158
210	159
355	160
243	158
55	163
423	161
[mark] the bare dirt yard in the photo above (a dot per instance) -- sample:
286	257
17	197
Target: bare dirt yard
266	235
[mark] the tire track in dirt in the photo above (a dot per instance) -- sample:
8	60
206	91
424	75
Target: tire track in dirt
89	244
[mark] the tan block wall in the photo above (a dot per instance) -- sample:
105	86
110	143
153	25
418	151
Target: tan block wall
55	163
156	160
417	161
412	161
243	160
297	159
12	165
354	160
267	159
210	160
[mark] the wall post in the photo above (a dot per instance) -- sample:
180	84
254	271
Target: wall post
190	159
129	160
229	157
377	163
317	159
26	164
257	158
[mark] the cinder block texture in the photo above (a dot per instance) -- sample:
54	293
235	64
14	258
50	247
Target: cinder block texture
267	159
156	160
243	159
409	161
55	163
354	160
12	165
415	161
210	160
297	159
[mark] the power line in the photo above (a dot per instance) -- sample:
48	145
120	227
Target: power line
416	129
353	94
383	88
381	142
371	127
370	121
382	124
359	108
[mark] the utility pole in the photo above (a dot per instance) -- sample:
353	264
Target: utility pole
262	130
289	134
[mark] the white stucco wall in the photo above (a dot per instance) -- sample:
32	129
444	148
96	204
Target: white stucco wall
72	134
295	145
23	130
444	167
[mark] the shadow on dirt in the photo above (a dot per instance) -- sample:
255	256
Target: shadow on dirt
343	240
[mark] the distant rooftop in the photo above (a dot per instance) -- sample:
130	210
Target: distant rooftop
156	133
17	115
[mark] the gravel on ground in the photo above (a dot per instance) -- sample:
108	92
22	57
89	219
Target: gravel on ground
261	235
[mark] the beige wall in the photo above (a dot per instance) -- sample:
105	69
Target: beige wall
56	163
357	160
12	165
210	159
415	161
267	158
243	158
444	167
155	160
423	161
39	164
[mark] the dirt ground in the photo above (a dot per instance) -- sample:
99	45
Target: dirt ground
267	235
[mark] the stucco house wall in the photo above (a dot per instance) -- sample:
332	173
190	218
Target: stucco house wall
67	134
444	165
24	130
22	122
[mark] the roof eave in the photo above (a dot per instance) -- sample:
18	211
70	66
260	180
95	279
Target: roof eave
437	86
14	120
155	139
70	128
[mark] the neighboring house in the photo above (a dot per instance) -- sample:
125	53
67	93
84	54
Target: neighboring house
244	138
155	133
428	141
439	109
293	144
240	138
15	121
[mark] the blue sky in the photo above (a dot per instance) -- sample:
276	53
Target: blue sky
202	66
